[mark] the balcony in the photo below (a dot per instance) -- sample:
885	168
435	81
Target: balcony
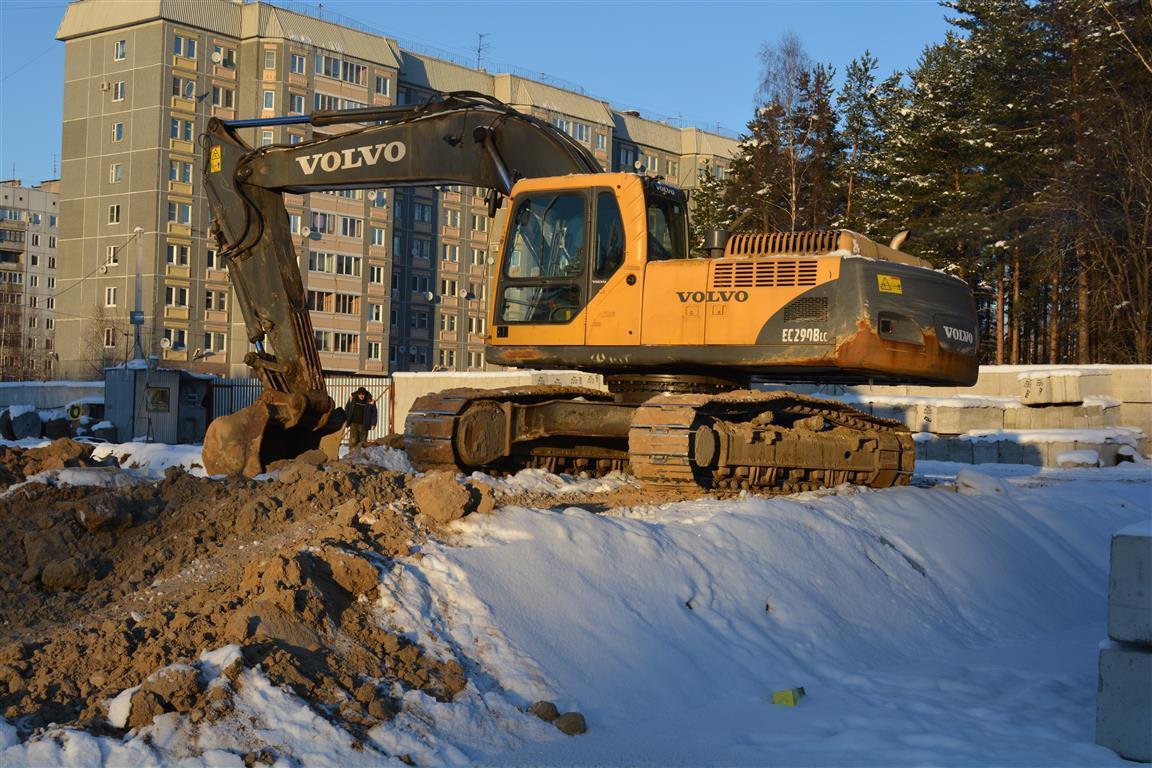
216	316
175	313
175	354
184	105
176	270
180	188
181	230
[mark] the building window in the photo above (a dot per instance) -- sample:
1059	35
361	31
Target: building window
347	304
112	256
323	341
448	287
651	163
49	323
269	58
382	85
114	214
178	254
51	219
175	297
452	218
297	64
109	338
120	50
376	274
345	342
601	141
448	323
117	131
110	296
673	169
226	56
479	223
348	71
319	301
477	257
51	262
35	240
181	171
451	252
581	132
378	236
347	265
223	97
183	87
184	46
51	282
421	248
180	213
266	138
115	174
375	313
216	300
118	90
351	227
296	103
34	281
181	129
177	336
269	99
214	341
422	212
374	350
217	260
627	158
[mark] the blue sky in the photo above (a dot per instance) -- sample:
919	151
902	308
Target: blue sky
691	60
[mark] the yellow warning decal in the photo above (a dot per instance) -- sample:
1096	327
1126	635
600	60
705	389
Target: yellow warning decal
214	163
889	284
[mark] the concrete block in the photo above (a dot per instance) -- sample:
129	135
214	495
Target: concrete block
1109	452
1009	452
1124	702
957	420
1052	451
934	450
1131	383
1130	586
958	450
1137	415
985	452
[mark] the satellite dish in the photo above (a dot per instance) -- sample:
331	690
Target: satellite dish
638	166
217	57
189	89
429	295
371	194
305	231
165	343
104	269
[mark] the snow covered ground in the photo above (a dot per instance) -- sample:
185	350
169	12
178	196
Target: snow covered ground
955	623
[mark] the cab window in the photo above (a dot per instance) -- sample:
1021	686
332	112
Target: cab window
609	236
545	259
667	229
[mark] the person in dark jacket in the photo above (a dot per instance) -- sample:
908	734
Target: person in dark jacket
361	416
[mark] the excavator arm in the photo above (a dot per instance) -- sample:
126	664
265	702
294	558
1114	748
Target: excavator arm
460	138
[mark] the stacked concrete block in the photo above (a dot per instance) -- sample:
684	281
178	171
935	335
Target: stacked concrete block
1063	387
1124	693
957	420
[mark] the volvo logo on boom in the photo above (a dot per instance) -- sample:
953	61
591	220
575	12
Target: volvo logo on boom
710	297
353	157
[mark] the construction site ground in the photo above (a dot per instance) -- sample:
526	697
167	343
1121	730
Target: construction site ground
356	612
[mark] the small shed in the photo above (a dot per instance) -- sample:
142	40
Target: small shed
163	405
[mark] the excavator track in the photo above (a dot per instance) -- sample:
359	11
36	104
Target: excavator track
444	428
769	442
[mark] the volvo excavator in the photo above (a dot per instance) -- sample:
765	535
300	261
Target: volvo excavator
594	273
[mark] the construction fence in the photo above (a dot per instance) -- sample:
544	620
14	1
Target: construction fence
230	395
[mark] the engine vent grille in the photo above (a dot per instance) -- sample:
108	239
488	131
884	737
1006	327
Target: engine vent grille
808	309
771	273
769	243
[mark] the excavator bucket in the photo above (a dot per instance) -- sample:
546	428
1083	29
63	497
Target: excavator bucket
246	442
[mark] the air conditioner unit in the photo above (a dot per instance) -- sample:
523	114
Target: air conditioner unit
105	85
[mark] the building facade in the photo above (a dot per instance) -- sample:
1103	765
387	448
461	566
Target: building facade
395	279
29	232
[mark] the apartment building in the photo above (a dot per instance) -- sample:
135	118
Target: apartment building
29	232
395	279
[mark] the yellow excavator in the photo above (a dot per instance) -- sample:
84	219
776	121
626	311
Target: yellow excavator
595	273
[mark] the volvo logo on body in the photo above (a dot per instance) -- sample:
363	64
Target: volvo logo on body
353	157
710	297
958	334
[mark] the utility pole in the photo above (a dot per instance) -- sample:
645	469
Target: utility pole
137	316
481	47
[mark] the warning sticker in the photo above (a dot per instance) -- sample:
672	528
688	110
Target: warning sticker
214	163
889	284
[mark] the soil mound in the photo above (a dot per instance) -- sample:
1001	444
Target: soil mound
125	586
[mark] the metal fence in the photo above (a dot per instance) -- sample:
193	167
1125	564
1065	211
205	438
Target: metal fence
230	395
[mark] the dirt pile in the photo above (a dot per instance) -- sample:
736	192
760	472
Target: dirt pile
117	585
17	464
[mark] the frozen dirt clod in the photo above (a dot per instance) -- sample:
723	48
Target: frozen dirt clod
545	710
571	723
442	498
126	587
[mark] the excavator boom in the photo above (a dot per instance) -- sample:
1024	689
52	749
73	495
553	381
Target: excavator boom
461	138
